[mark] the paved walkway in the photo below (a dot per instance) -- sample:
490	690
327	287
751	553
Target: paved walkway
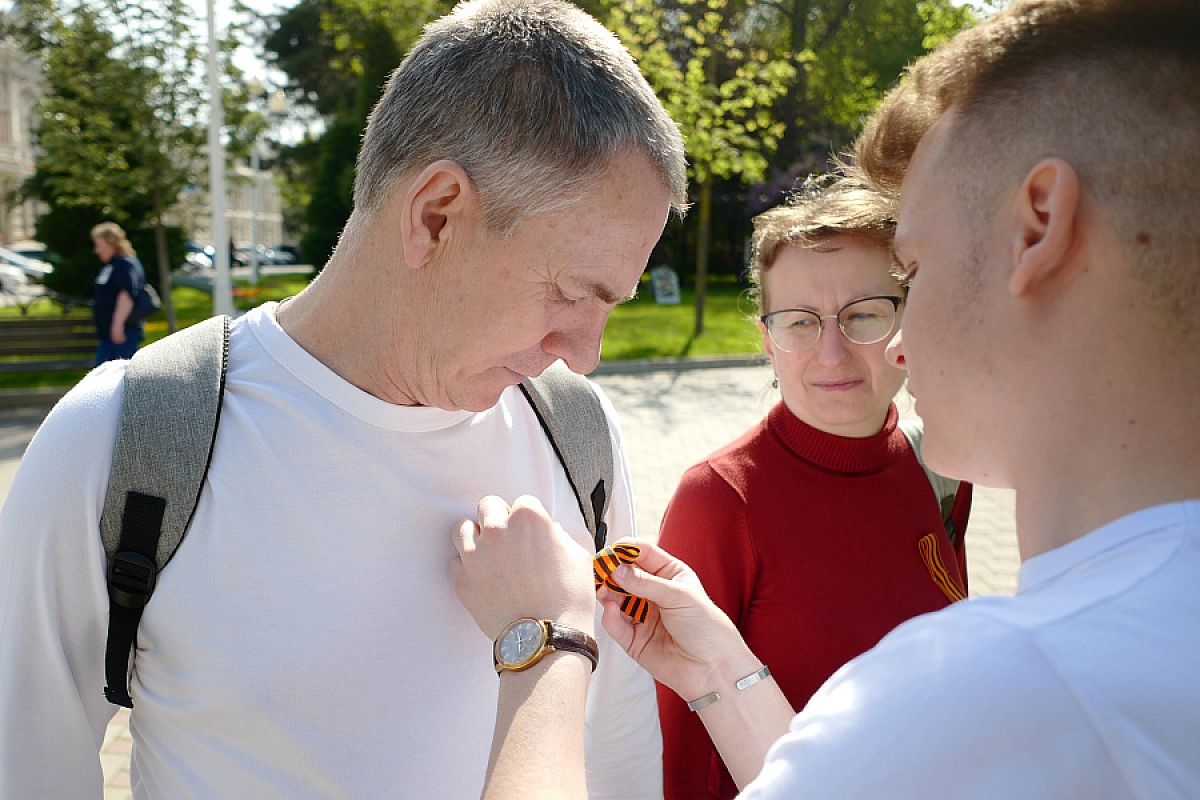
670	419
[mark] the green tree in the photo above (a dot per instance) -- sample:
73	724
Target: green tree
337	55
83	171
703	61
162	42
846	55
121	129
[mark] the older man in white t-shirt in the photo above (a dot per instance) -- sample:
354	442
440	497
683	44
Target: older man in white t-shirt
303	642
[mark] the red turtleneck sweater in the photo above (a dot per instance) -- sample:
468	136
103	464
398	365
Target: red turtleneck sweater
808	541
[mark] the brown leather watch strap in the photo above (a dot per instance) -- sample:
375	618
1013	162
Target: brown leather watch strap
574	641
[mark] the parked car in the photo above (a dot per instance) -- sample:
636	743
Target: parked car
30	267
193	261
13	280
286	254
291	250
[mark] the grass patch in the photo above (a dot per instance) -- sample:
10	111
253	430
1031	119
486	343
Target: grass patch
638	329
644	329
192	305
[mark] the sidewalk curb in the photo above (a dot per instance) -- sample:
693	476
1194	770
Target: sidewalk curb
639	365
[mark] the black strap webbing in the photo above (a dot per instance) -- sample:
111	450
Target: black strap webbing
131	577
599	502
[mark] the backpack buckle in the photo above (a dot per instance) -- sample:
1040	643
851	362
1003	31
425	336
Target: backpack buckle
131	578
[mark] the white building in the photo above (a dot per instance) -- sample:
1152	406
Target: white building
21	87
196	215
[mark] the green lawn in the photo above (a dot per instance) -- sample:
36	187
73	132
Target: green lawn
643	329
638	329
191	306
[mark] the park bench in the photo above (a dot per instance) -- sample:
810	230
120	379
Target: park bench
36	344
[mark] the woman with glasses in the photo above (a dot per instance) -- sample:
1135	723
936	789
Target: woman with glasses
818	530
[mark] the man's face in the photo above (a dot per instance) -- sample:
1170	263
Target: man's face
508	308
952	328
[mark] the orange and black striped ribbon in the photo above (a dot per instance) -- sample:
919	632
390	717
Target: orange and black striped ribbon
937	569
603	565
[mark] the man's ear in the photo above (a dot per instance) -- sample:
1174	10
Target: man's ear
433	209
1047	221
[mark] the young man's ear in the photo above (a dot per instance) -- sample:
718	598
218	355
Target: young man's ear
432	209
1046	221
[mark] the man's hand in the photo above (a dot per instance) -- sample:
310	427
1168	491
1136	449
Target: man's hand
686	642
517	562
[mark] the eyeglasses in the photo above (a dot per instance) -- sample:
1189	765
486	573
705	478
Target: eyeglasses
864	321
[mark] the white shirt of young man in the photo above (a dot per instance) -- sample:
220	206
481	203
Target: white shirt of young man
305	641
1083	685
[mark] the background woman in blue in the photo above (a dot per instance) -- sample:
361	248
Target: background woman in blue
119	281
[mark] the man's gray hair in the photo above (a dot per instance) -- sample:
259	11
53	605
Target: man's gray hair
533	98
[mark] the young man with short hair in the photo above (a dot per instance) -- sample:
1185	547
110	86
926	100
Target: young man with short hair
1048	170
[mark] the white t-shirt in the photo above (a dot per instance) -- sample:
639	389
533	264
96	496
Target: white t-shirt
305	641
1086	684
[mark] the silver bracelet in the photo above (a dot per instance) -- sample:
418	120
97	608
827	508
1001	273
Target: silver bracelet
704	701
760	674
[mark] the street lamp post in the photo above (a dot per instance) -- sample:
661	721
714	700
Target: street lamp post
222	285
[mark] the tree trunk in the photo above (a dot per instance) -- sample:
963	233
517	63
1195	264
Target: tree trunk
164	269
790	106
702	234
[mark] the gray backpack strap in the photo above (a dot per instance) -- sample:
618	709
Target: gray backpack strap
570	413
945	489
168	424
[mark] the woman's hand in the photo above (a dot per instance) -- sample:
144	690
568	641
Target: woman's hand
120	313
517	562
686	642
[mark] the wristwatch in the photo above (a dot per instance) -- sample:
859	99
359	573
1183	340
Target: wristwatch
526	641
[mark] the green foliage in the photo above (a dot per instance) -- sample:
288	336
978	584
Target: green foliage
712	78
942	20
142	240
337	55
120	128
332	191
65	231
85	158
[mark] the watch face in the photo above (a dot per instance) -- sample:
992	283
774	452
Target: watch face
520	642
